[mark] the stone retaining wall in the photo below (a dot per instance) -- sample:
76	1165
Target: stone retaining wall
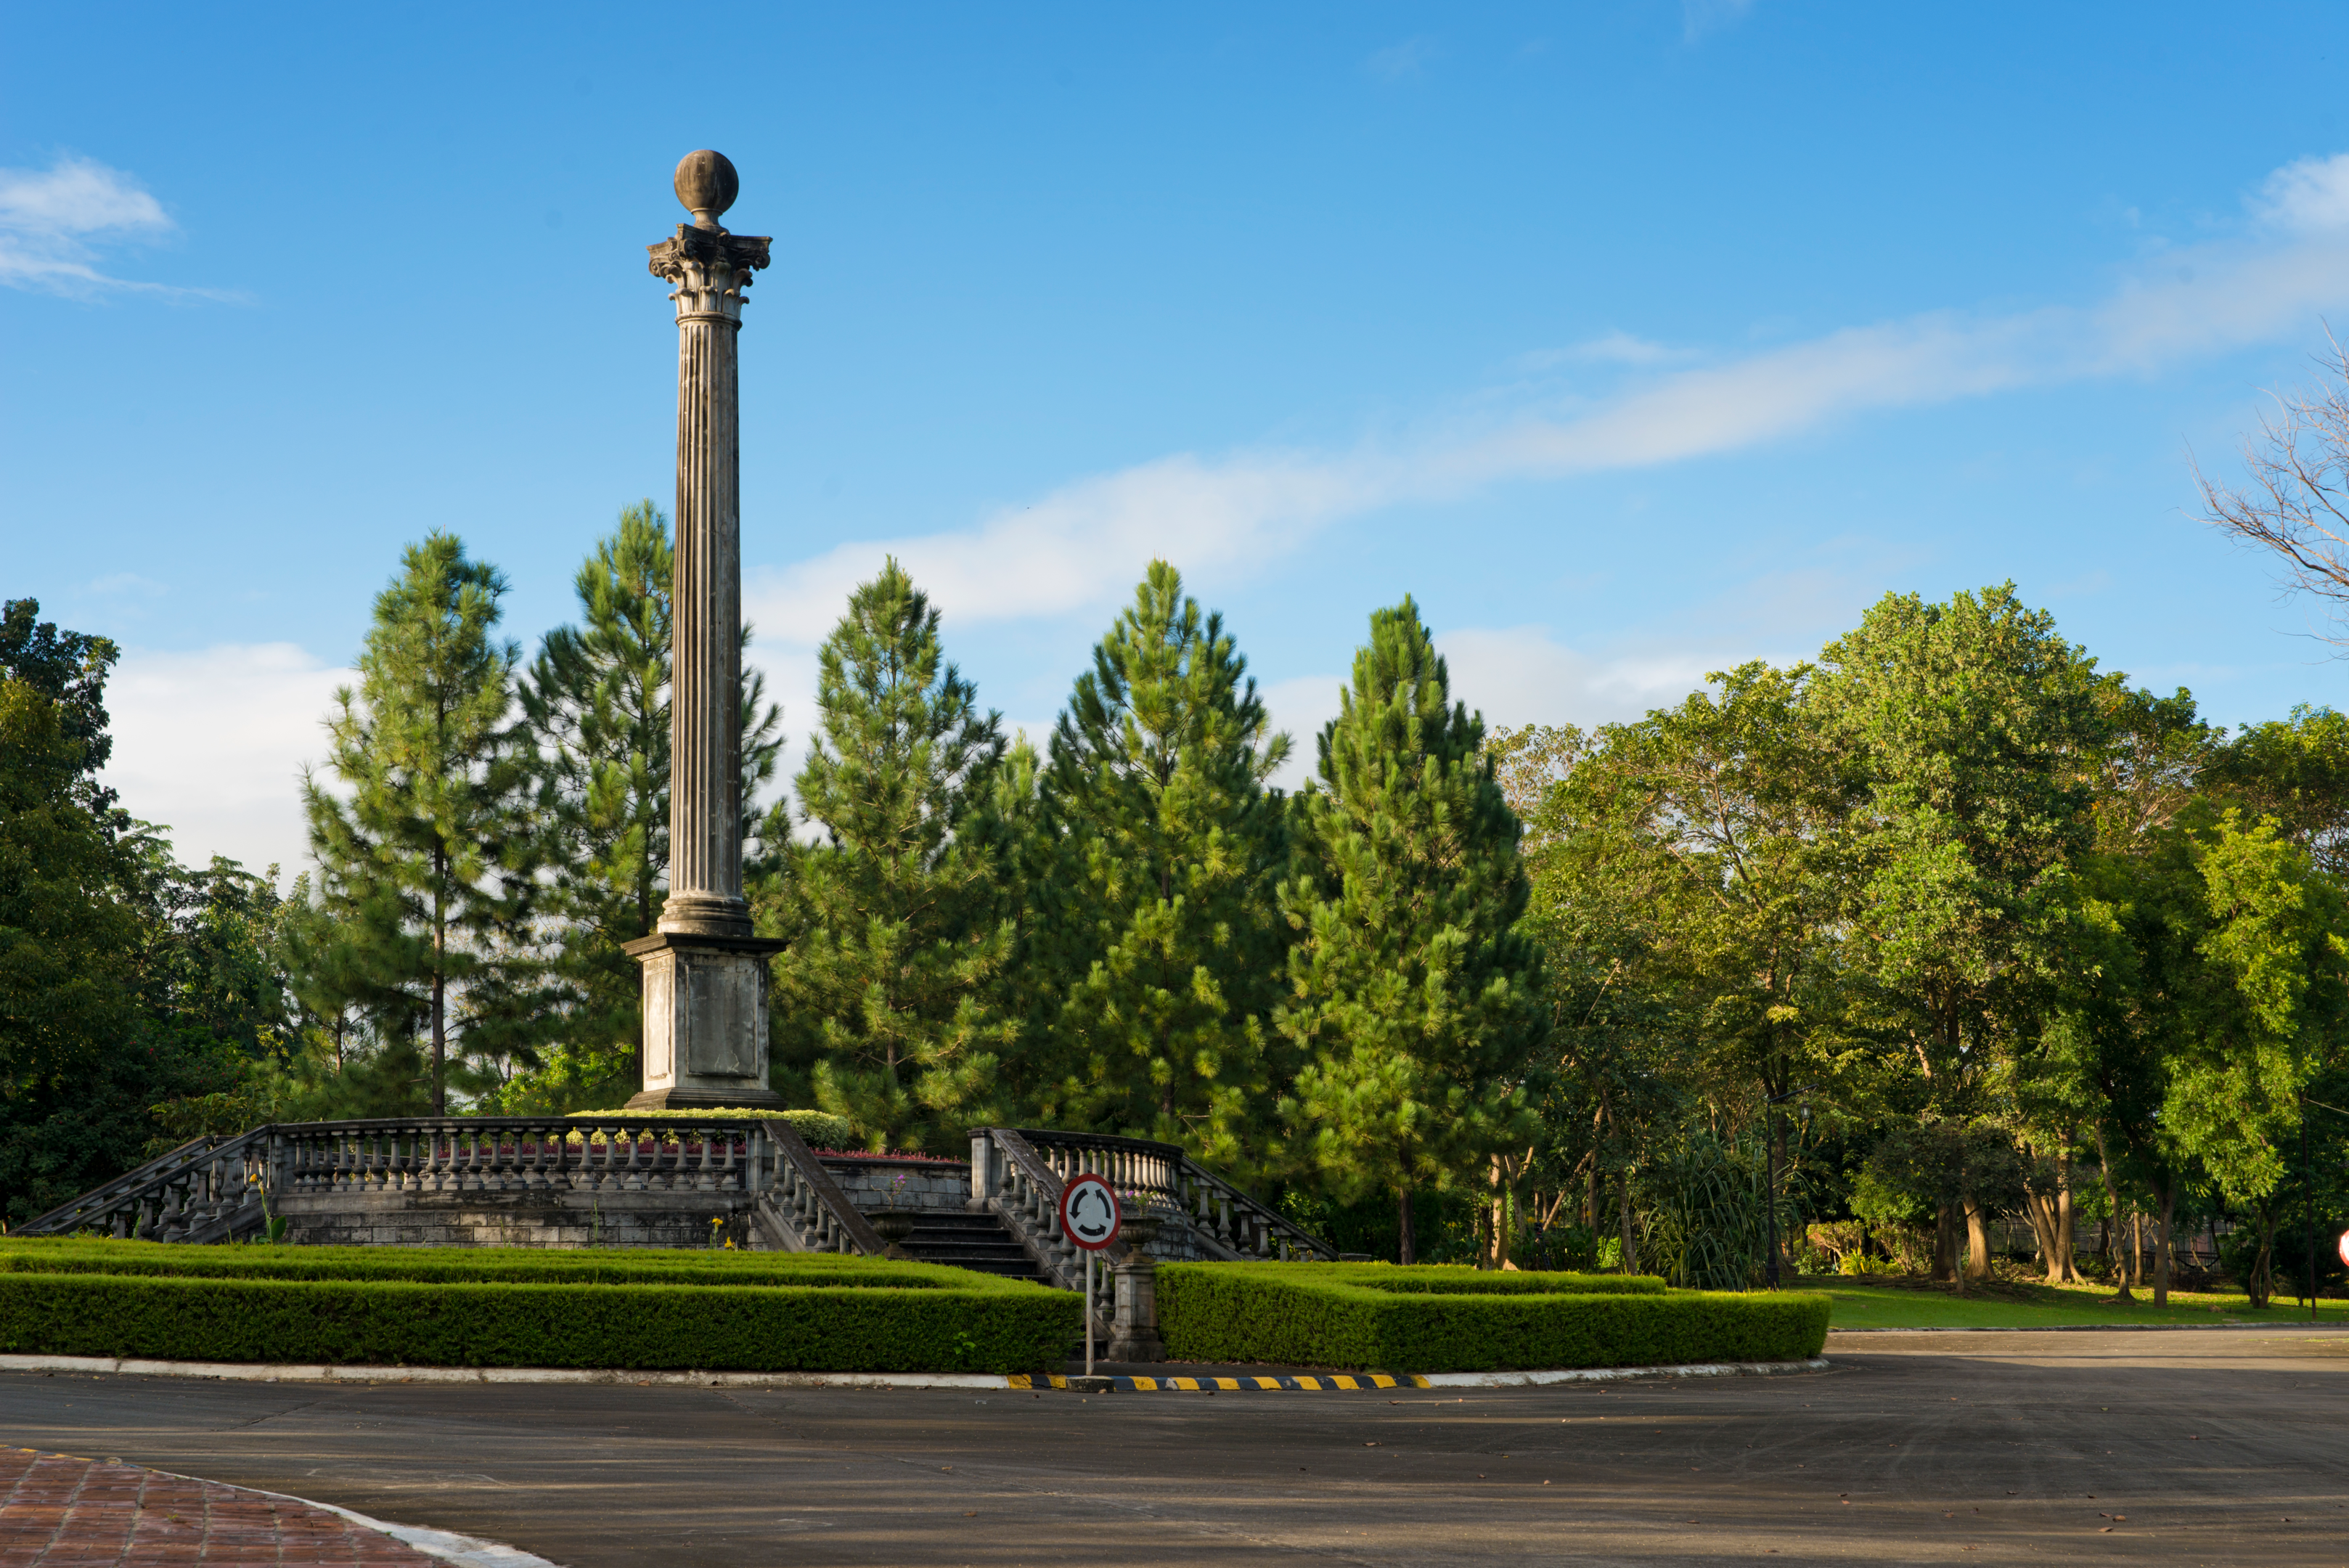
929	1183
515	1218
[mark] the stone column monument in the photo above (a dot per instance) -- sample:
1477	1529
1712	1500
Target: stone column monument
705	974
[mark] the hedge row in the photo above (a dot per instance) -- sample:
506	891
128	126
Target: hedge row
399	1322
486	1265
1225	1312
1451	1279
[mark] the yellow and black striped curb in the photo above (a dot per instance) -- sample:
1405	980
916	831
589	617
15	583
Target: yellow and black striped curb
1317	1383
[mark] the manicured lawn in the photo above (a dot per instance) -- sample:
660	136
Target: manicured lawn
1862	1305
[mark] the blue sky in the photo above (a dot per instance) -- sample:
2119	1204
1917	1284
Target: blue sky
1633	340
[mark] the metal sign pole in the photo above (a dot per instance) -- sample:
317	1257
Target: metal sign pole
1089	1314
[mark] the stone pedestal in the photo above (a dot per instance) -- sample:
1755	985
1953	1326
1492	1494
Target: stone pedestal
705	1021
1134	1333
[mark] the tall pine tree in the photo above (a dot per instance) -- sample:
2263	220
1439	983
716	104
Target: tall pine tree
899	903
1155	952
1415	996
426	849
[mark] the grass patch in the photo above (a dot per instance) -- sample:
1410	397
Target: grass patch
1860	1303
1462	1320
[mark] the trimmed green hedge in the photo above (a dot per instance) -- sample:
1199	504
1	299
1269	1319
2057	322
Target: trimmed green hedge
822	1129
745	1328
606	1266
1345	1315
1454	1279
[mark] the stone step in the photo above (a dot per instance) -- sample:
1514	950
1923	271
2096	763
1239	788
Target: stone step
962	1240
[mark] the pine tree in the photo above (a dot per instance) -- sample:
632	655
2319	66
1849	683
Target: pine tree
899	903
1156	949
1415	996
596	700
429	859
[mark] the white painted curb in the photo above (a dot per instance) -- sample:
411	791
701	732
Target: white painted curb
466	1551
250	1372
1618	1373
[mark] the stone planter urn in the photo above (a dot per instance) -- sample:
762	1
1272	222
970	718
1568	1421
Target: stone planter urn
894	1225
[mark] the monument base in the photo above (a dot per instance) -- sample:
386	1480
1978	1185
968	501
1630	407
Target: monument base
705	1021
749	1097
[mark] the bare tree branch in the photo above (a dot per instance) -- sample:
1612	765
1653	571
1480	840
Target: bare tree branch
2296	506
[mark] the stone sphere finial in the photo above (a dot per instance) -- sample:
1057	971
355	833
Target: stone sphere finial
706	184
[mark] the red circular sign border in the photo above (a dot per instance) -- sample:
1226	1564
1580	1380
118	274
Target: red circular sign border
1117	1217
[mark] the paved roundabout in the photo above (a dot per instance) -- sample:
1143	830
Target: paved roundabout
2202	1447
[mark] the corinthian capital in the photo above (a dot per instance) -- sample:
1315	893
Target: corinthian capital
710	269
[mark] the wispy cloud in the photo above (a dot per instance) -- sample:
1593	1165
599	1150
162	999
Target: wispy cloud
54	220
1398	62
1082	544
1700	18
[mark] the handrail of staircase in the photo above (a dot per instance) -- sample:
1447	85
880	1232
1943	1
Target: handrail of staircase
1028	1198
1221	1220
182	1190
814	1212
1225	1218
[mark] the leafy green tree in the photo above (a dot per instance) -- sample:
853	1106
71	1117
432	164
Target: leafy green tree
900	901
1716	829
69	668
1154	949
426	852
68	937
125	979
1414	994
1974	720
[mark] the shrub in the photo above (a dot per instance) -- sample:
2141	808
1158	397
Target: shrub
745	1328
821	1129
1341	1315
1454	1279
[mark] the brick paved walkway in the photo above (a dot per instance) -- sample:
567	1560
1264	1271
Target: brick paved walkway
65	1513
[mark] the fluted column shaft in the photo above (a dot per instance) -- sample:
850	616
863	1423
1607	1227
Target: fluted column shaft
709	268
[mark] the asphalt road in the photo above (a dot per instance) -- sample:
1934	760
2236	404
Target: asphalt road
2205	1446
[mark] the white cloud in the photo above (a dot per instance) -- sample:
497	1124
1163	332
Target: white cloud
2309	196
1081	545
213	744
51	219
1518	675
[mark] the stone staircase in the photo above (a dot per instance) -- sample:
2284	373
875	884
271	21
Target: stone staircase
968	1241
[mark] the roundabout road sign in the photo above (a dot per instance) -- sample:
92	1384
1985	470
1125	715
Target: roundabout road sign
1089	1214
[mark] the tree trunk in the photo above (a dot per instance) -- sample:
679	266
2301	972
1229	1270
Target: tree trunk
1630	1233
1945	1244
1591	1218
1407	1255
2112	1219
2161	1242
2065	1214
1977	1241
1499	1256
440	1045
